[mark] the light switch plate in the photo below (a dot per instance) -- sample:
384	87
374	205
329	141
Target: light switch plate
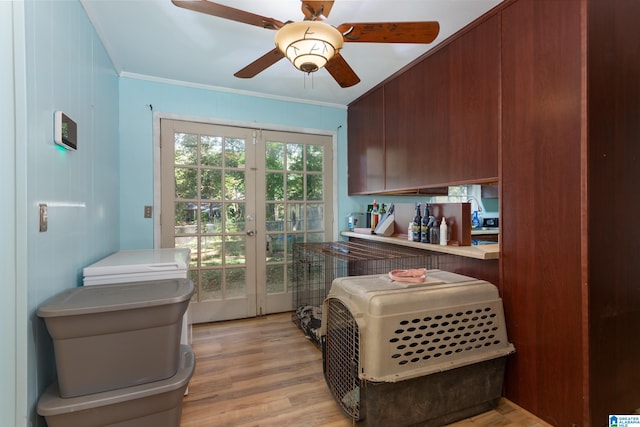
148	211
44	217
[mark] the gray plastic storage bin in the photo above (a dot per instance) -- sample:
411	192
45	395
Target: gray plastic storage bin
114	336
157	404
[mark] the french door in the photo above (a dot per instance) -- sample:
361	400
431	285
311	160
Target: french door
239	198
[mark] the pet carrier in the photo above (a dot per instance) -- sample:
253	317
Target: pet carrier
316	265
427	353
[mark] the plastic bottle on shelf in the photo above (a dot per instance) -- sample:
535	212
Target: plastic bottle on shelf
410	232
417	224
424	227
434	235
475	220
443	232
374	216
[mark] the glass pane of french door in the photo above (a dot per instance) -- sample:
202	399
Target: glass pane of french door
239	199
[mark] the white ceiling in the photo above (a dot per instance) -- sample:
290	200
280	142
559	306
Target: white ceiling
156	40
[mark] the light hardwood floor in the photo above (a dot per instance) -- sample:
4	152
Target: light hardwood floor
263	372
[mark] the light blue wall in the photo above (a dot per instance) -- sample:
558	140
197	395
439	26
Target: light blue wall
137	99
67	69
136	137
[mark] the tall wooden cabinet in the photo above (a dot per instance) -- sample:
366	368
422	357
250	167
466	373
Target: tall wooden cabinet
613	178
570	151
541	201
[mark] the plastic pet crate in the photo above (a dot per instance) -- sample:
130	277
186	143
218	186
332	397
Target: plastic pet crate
414	354
316	265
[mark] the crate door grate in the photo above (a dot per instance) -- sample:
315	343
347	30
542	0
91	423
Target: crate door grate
342	358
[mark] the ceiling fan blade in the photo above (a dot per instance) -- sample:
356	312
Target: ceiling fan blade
226	12
260	64
341	71
390	32
315	9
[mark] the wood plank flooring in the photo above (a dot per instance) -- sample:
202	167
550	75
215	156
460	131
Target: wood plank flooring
263	372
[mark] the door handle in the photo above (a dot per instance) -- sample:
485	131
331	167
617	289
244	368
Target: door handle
250	232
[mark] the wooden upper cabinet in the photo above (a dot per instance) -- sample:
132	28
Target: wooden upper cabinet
366	144
440	120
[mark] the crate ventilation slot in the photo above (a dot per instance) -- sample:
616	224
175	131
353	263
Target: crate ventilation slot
446	334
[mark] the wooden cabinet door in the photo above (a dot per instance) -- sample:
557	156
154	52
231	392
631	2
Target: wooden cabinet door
366	144
474	104
416	125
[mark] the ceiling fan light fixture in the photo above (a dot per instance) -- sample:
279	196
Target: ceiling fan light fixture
309	45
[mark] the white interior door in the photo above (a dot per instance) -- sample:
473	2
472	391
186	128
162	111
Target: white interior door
240	198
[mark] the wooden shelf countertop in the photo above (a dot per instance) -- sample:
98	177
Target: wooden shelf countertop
491	251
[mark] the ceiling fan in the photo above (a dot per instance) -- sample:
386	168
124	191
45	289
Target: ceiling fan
311	44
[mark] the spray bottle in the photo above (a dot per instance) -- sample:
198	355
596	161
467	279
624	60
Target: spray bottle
443	232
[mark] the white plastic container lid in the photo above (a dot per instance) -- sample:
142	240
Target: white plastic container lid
140	261
123	296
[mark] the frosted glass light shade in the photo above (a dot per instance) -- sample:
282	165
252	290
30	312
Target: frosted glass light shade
308	44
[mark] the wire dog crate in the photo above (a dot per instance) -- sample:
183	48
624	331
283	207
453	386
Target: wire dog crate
404	354
316	265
